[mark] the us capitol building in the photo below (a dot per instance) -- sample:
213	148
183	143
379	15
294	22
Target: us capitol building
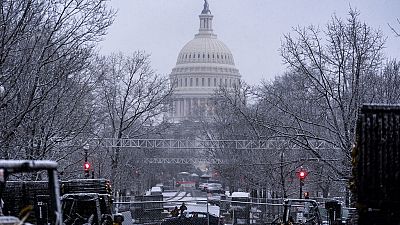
203	65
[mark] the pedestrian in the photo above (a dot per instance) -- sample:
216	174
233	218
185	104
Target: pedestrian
182	208
175	212
118	219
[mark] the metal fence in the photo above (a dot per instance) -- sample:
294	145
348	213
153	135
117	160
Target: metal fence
153	210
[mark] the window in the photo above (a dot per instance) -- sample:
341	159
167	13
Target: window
204	55
215	82
180	82
191	82
209	82
202	82
198	56
185	82
197	82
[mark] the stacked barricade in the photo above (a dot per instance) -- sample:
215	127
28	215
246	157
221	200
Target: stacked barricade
25	194
376	165
100	186
148	209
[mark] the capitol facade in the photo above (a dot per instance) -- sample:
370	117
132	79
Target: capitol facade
204	64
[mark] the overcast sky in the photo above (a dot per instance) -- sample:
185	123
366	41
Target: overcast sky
252	29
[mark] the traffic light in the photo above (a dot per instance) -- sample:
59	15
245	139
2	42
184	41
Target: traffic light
302	175
86	168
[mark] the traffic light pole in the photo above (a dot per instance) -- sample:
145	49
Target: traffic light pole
86	170
301	188
302	174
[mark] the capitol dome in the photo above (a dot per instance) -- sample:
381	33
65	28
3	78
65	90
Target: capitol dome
205	50
204	64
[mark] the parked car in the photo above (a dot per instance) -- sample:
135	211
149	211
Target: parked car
214	188
192	218
202	186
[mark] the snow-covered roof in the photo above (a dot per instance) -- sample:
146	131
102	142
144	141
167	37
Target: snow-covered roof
205	176
81	196
156	189
240	195
31	164
212	209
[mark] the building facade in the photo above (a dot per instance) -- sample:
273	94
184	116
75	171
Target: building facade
203	65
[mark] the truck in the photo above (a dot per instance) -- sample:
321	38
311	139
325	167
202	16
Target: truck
87	201
375	183
29	192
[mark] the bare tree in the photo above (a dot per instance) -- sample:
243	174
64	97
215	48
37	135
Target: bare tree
133	97
387	84
45	47
336	65
331	72
394	29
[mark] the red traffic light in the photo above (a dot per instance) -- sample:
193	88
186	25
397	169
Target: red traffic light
302	173
86	166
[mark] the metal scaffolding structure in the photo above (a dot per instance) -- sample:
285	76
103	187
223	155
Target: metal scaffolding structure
198	144
183	161
272	144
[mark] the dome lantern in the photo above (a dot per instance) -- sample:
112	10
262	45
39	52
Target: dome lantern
206	21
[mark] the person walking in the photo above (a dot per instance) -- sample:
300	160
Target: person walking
182	208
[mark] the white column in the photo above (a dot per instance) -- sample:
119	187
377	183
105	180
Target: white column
185	107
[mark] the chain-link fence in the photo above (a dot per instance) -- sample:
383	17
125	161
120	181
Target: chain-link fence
155	210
